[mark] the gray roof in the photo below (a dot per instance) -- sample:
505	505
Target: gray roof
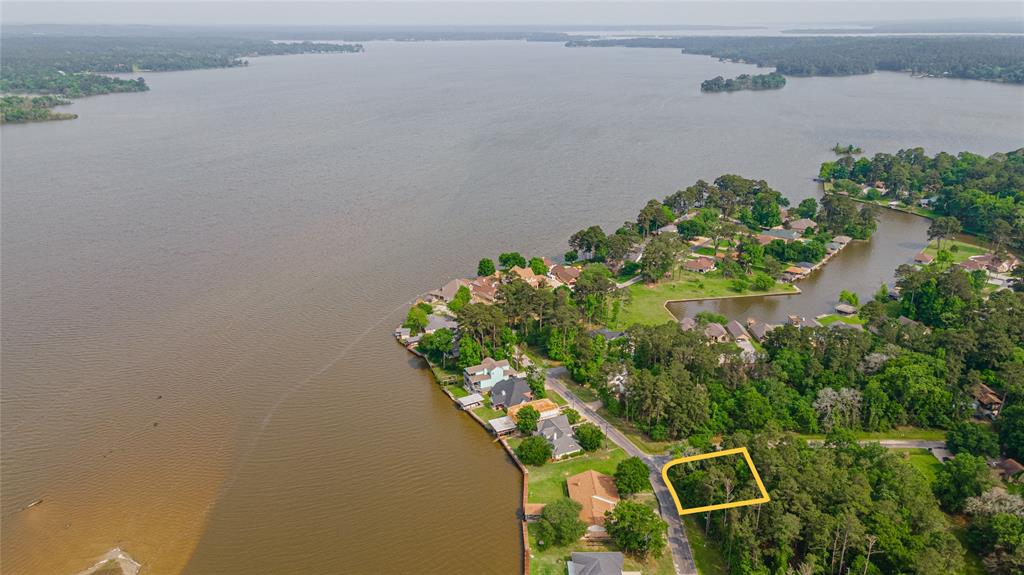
509	392
805	265
436	322
687	323
714	330
761	329
471	399
833	246
558	432
502	424
736	329
783	234
595	563
608	333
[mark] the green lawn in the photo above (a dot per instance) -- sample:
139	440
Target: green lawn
923	461
647	304
706	555
547	482
558	399
583	393
898	433
963	252
486	413
552	561
834	317
456	390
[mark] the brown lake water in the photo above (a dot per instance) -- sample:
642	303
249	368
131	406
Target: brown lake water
200	282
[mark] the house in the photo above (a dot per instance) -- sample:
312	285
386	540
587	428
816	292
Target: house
608	334
667	229
484	289
617	382
923	258
446	293
485	375
436	322
845	309
544	406
502	426
527	275
565	274
905	321
844	325
700	265
972	266
833	247
1011	470
995	264
764	239
842	240
471	401
784	235
793	273
802	225
800	321
986	402
597	563
716	332
736	331
596	493
805	265
510	392
687	324
558	433
759	329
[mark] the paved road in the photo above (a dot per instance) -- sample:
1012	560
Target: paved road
682	555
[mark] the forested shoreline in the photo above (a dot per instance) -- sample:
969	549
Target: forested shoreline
22	109
990	58
76	66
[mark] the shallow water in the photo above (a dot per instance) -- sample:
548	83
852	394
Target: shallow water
200	281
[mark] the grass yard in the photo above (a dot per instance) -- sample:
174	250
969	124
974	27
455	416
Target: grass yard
552	561
647	304
898	433
923	461
558	399
585	394
456	390
834	317
706	555
547	482
963	252
486	412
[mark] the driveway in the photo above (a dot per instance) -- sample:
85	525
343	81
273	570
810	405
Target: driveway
682	555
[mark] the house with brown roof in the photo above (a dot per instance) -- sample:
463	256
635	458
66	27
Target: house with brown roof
923	258
736	331
842	240
716	332
802	225
1011	470
527	275
596	493
987	402
759	329
544	406
565	274
993	264
687	324
700	265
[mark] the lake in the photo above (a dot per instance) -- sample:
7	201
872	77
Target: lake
201	281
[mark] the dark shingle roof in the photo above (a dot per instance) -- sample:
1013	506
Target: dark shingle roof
510	392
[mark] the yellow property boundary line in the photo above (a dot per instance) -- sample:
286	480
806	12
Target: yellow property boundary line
689	511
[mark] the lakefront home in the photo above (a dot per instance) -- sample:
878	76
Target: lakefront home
700	265
596	493
558	432
802	225
597	563
485	375
736	331
446	293
565	274
716	332
510	392
544	406
759	329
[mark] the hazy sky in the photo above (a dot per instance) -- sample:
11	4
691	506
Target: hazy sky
494	12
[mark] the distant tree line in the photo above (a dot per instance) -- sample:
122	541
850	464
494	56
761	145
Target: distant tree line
991	58
73	66
772	81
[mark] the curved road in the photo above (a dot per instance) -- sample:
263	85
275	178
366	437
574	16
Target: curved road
682	556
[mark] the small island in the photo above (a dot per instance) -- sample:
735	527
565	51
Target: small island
21	109
847	150
771	81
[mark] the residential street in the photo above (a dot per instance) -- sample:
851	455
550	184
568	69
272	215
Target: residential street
682	556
